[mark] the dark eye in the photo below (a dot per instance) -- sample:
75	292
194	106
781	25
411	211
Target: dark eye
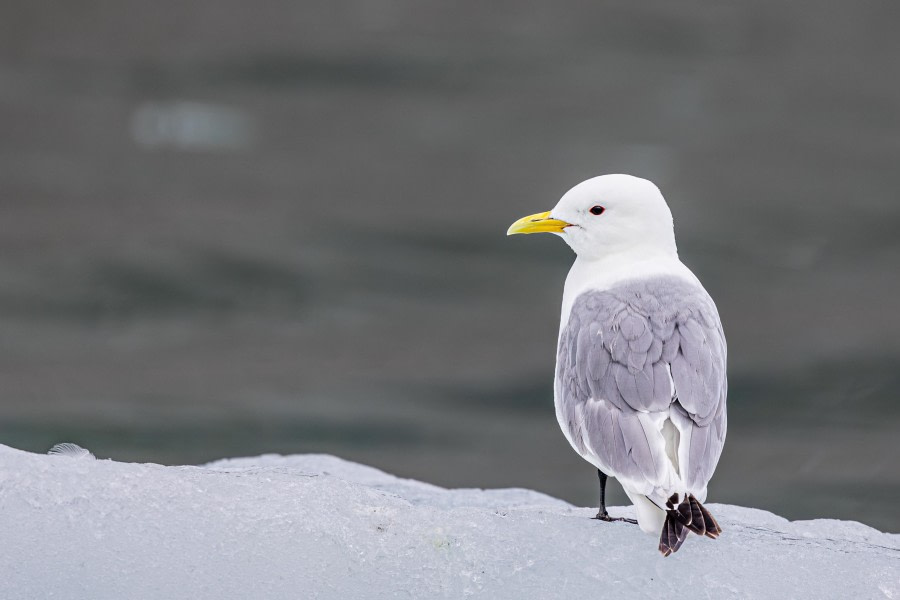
597	210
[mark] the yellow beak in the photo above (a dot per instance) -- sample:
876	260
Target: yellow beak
538	223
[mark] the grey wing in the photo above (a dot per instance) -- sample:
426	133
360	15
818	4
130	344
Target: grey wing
627	360
701	387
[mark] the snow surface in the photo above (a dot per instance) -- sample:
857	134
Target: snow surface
315	526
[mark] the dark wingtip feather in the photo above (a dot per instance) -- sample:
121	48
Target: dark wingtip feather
673	534
712	527
699	523
685	514
689	515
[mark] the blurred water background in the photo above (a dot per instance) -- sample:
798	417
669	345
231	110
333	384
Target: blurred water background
233	228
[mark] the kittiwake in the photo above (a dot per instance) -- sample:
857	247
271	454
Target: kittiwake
640	380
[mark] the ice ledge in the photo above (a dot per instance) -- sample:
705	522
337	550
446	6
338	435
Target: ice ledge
316	526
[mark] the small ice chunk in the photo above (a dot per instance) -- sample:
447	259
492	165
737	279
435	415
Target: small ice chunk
71	450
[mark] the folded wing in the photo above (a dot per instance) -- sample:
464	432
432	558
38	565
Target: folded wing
632	358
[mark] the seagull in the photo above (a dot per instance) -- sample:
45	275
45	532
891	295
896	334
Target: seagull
640	380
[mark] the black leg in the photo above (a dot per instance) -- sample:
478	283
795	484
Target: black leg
602	515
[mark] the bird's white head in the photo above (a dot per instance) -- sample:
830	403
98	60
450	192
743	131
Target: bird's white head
607	215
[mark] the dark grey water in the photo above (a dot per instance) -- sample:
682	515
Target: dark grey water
231	229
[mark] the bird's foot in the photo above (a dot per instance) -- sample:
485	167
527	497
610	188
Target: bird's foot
604	516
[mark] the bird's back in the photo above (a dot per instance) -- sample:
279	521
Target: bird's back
641	385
